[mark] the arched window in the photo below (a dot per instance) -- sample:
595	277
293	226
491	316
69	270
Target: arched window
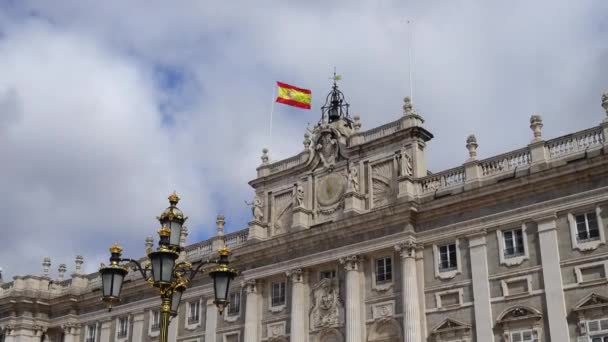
520	324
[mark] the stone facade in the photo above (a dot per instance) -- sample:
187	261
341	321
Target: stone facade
354	239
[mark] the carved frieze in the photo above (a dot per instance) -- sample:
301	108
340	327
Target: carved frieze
382	183
328	309
282	212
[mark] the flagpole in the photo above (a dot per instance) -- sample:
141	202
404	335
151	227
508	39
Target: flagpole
271	112
411	42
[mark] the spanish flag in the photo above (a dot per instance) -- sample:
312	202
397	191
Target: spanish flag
293	96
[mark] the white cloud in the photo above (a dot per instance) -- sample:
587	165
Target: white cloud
89	160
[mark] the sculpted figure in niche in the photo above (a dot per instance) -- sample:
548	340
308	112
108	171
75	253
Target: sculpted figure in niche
256	209
353	177
299	197
406	163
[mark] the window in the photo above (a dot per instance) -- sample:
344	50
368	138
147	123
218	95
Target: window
193	312
330	274
278	294
91	331
524	336
587	228
123	326
235	303
384	270
513	243
448	260
600	338
155	320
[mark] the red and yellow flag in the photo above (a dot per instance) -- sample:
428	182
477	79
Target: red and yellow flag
294	96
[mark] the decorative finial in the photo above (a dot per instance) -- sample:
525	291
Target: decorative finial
605	104
220	222
149	244
46	265
408	108
536	124
306	141
115	248
61	270
265	156
472	146
357	122
78	261
173	198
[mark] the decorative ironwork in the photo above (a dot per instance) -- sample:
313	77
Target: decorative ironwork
335	107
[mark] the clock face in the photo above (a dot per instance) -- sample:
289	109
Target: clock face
330	189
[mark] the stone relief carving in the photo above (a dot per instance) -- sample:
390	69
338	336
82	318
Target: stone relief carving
327	148
383	311
328	309
299	196
405	164
330	191
256	208
382	179
283	205
276	332
353	178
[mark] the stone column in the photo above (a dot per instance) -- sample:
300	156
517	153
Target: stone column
481	287
138	327
552	278
173	325
354	300
211	322
409	292
252	309
105	332
299	306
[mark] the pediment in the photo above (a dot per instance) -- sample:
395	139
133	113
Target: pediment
519	313
591	301
449	325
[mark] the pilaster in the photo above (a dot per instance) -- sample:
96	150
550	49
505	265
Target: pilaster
71	332
552	278
252	309
138	327
299	306
422	302
354	299
409	295
211	321
481	287
105	335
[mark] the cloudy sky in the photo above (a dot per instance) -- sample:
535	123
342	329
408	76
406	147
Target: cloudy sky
108	106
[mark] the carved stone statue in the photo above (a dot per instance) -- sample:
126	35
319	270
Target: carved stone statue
299	196
353	178
256	209
405	162
327	147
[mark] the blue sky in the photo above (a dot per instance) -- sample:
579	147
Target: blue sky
107	107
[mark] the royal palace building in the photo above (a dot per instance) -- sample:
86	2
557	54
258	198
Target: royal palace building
354	239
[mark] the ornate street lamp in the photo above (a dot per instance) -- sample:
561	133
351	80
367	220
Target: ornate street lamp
171	278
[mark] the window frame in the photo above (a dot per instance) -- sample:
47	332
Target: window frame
280	306
233	316
587	244
515	259
447	273
88	337
532	332
120	335
387	283
192	324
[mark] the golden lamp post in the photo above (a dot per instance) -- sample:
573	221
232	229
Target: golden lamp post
171	278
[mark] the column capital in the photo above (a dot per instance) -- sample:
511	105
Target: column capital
351	262
546	222
250	286
296	275
477	238
407	249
